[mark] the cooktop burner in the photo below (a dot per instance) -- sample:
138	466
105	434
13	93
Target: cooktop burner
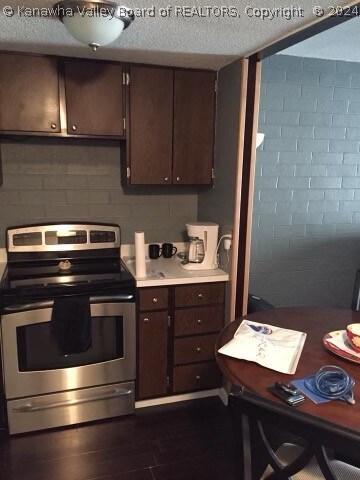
76	274
45	271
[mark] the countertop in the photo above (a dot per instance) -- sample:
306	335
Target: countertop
161	272
167	271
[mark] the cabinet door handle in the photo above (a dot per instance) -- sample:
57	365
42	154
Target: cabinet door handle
53	126
200	296
166	179
178	179
199	322
154	300
74	128
146	320
198	378
198	349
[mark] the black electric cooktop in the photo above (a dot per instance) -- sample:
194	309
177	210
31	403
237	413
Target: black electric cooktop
45	280
51	260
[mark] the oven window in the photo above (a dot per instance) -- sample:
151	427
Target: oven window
38	348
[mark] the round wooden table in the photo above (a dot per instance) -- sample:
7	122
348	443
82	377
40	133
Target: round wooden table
316	322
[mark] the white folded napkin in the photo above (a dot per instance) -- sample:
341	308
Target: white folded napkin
272	347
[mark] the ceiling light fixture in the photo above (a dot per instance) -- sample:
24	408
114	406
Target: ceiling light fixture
95	23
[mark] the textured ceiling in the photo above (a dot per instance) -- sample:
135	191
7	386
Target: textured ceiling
339	43
209	42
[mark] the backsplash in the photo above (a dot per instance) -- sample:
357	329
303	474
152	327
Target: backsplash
59	180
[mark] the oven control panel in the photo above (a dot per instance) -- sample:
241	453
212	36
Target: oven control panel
102	237
60	237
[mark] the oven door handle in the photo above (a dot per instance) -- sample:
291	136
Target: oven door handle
69	403
112	298
49	303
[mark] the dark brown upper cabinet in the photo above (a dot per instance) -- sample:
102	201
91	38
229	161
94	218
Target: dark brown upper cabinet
166	115
94	98
29	94
172	122
151	125
194	125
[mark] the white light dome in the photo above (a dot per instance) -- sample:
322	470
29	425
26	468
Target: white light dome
94	30
95	23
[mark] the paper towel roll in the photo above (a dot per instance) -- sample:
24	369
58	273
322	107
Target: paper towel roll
140	265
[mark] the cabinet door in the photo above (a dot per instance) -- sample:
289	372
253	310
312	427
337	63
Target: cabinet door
94	98
194	125
152	366
151	120
29	94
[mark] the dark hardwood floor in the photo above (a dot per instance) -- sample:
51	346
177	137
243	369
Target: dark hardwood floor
183	441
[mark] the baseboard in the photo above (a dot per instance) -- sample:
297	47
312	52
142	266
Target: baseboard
216	392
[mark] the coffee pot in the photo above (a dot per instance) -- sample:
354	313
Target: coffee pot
203	245
196	250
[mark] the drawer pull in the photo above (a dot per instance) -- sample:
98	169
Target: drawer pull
28	407
198	349
199	322
146	320
198	378
155	300
200	296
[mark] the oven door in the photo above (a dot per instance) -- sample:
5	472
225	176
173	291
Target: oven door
33	364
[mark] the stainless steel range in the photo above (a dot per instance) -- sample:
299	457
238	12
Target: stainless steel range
44	386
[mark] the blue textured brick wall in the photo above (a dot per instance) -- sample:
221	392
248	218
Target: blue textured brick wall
306	223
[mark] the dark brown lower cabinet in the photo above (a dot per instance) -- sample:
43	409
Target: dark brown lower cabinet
199	376
199	294
177	331
197	348
194	321
153	351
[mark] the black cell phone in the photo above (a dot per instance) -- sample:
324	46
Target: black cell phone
289	398
287	387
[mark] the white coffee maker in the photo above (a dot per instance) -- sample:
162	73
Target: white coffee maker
203	244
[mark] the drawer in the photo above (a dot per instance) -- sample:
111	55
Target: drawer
194	349
67	408
199	320
199	294
196	377
154	298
